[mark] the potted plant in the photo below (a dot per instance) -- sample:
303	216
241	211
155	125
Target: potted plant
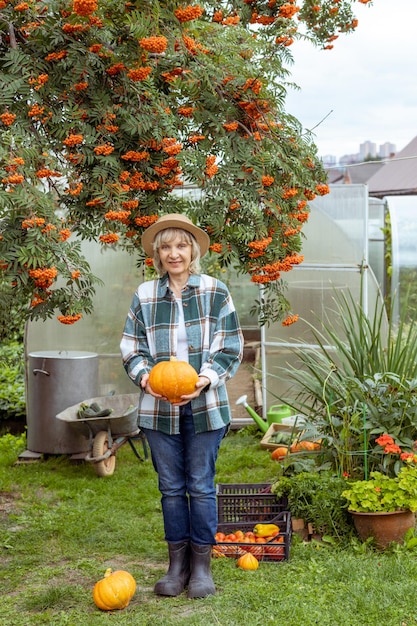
383	506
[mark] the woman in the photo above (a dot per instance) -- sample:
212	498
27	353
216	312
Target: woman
192	317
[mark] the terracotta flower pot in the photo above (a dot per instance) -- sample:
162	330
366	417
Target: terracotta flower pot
383	527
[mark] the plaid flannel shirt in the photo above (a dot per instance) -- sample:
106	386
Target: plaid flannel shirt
215	347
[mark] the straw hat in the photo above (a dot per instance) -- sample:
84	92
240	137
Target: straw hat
174	220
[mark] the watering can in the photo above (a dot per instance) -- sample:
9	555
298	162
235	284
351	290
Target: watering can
278	412
262	425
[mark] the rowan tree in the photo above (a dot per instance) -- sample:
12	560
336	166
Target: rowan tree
108	108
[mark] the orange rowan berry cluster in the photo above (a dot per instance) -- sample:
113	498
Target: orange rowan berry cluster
81	86
30	223
211	168
290	319
157	45
289	192
141	73
135	156
73	140
186	111
230	126
146	220
188	13
267	181
109	238
64	234
130	204
43	276
75	274
104	149
259	246
216	247
74	189
117	216
56	56
84	7
38	82
322	190
13	179
74	28
23	6
47	173
69	319
287	10
195	138
7	118
115	69
192	45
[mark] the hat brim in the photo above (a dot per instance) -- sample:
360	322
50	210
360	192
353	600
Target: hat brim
179	222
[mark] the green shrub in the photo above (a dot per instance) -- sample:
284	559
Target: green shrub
12	381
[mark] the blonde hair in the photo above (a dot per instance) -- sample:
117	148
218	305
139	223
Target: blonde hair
169	234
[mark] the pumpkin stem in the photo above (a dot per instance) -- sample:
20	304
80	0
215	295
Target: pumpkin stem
172	358
108	572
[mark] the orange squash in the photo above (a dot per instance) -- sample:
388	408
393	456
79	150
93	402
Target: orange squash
279	453
173	379
114	591
248	561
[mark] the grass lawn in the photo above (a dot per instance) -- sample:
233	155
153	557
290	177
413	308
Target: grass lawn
61	527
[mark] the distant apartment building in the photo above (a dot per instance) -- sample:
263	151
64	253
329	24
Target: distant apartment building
386	150
329	160
367	149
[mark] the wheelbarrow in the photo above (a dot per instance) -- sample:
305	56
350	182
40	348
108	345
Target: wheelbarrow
106	434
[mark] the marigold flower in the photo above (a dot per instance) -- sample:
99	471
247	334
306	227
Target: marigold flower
384	440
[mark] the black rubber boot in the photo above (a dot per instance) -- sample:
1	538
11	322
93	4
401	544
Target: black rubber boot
201	582
178	574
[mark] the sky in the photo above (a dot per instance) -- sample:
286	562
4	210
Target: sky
365	88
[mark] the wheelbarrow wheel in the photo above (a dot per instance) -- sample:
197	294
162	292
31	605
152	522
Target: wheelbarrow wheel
100	447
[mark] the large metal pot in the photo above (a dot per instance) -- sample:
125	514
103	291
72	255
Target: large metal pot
55	381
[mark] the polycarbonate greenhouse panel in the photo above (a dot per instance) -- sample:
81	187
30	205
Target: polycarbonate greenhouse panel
100	332
336	232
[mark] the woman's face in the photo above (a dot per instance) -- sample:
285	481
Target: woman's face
175	256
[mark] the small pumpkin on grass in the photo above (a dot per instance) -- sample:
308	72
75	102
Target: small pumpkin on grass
114	591
173	379
248	561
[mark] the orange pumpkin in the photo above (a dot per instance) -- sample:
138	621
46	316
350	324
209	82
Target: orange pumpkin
173	379
279	453
114	591
248	561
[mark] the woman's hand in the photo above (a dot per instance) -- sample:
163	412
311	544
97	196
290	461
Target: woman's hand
144	383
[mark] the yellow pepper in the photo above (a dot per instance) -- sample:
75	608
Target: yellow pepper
266	530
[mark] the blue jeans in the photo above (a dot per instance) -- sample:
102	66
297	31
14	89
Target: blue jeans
186	465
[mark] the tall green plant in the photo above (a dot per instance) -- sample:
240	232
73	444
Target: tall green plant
358	382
